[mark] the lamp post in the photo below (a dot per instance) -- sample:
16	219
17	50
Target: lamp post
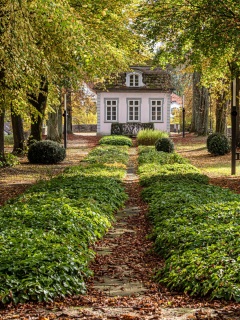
65	120
183	117
234	125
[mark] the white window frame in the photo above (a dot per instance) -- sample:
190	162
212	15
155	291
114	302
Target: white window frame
134	104
154	104
110	103
134	79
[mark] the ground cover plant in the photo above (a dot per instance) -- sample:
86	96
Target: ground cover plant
108	154
148	137
196	228
116	140
45	233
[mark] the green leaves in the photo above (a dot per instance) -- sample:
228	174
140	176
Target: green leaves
45	234
202	34
195	228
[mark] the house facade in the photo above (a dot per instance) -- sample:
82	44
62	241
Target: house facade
136	98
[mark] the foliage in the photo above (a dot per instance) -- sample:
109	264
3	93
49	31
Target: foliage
8	139
10	160
218	145
165	145
202	34
46	233
209	138
195	228
107	154
116	141
46	152
153	172
148	154
148	137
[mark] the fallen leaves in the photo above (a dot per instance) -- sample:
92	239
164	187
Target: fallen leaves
131	258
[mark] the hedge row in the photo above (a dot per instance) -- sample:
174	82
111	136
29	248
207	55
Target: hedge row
196	228
45	234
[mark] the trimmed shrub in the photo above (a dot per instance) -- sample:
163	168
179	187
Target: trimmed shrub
212	135
46	152
116	141
165	145
148	137
218	145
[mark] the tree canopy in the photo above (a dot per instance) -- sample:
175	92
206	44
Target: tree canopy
200	33
59	39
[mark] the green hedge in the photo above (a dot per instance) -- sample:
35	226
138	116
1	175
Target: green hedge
45	234
196	228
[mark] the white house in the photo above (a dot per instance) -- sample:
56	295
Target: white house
137	99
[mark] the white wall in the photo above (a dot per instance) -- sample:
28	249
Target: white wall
105	127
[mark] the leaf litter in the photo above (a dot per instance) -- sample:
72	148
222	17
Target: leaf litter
123	256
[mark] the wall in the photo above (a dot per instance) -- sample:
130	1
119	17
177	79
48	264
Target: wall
84	128
105	127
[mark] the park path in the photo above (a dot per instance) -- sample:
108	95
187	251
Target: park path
122	287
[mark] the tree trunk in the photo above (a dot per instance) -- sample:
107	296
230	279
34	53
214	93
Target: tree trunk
69	113
2	114
222	105
53	119
200	106
18	134
39	103
60	121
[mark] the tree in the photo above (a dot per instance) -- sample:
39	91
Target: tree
18	133
202	34
58	39
200	106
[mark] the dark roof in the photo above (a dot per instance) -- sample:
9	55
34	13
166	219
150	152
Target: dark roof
153	79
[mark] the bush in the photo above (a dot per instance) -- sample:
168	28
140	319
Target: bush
212	135
218	145
165	145
46	152
148	137
116	141
9	161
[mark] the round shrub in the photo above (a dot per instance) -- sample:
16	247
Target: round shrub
212	135
165	145
46	152
219	145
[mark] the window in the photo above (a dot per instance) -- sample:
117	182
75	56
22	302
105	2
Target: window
111	110
134	110
156	110
134	79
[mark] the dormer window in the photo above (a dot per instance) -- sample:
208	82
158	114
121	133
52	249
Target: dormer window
134	79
